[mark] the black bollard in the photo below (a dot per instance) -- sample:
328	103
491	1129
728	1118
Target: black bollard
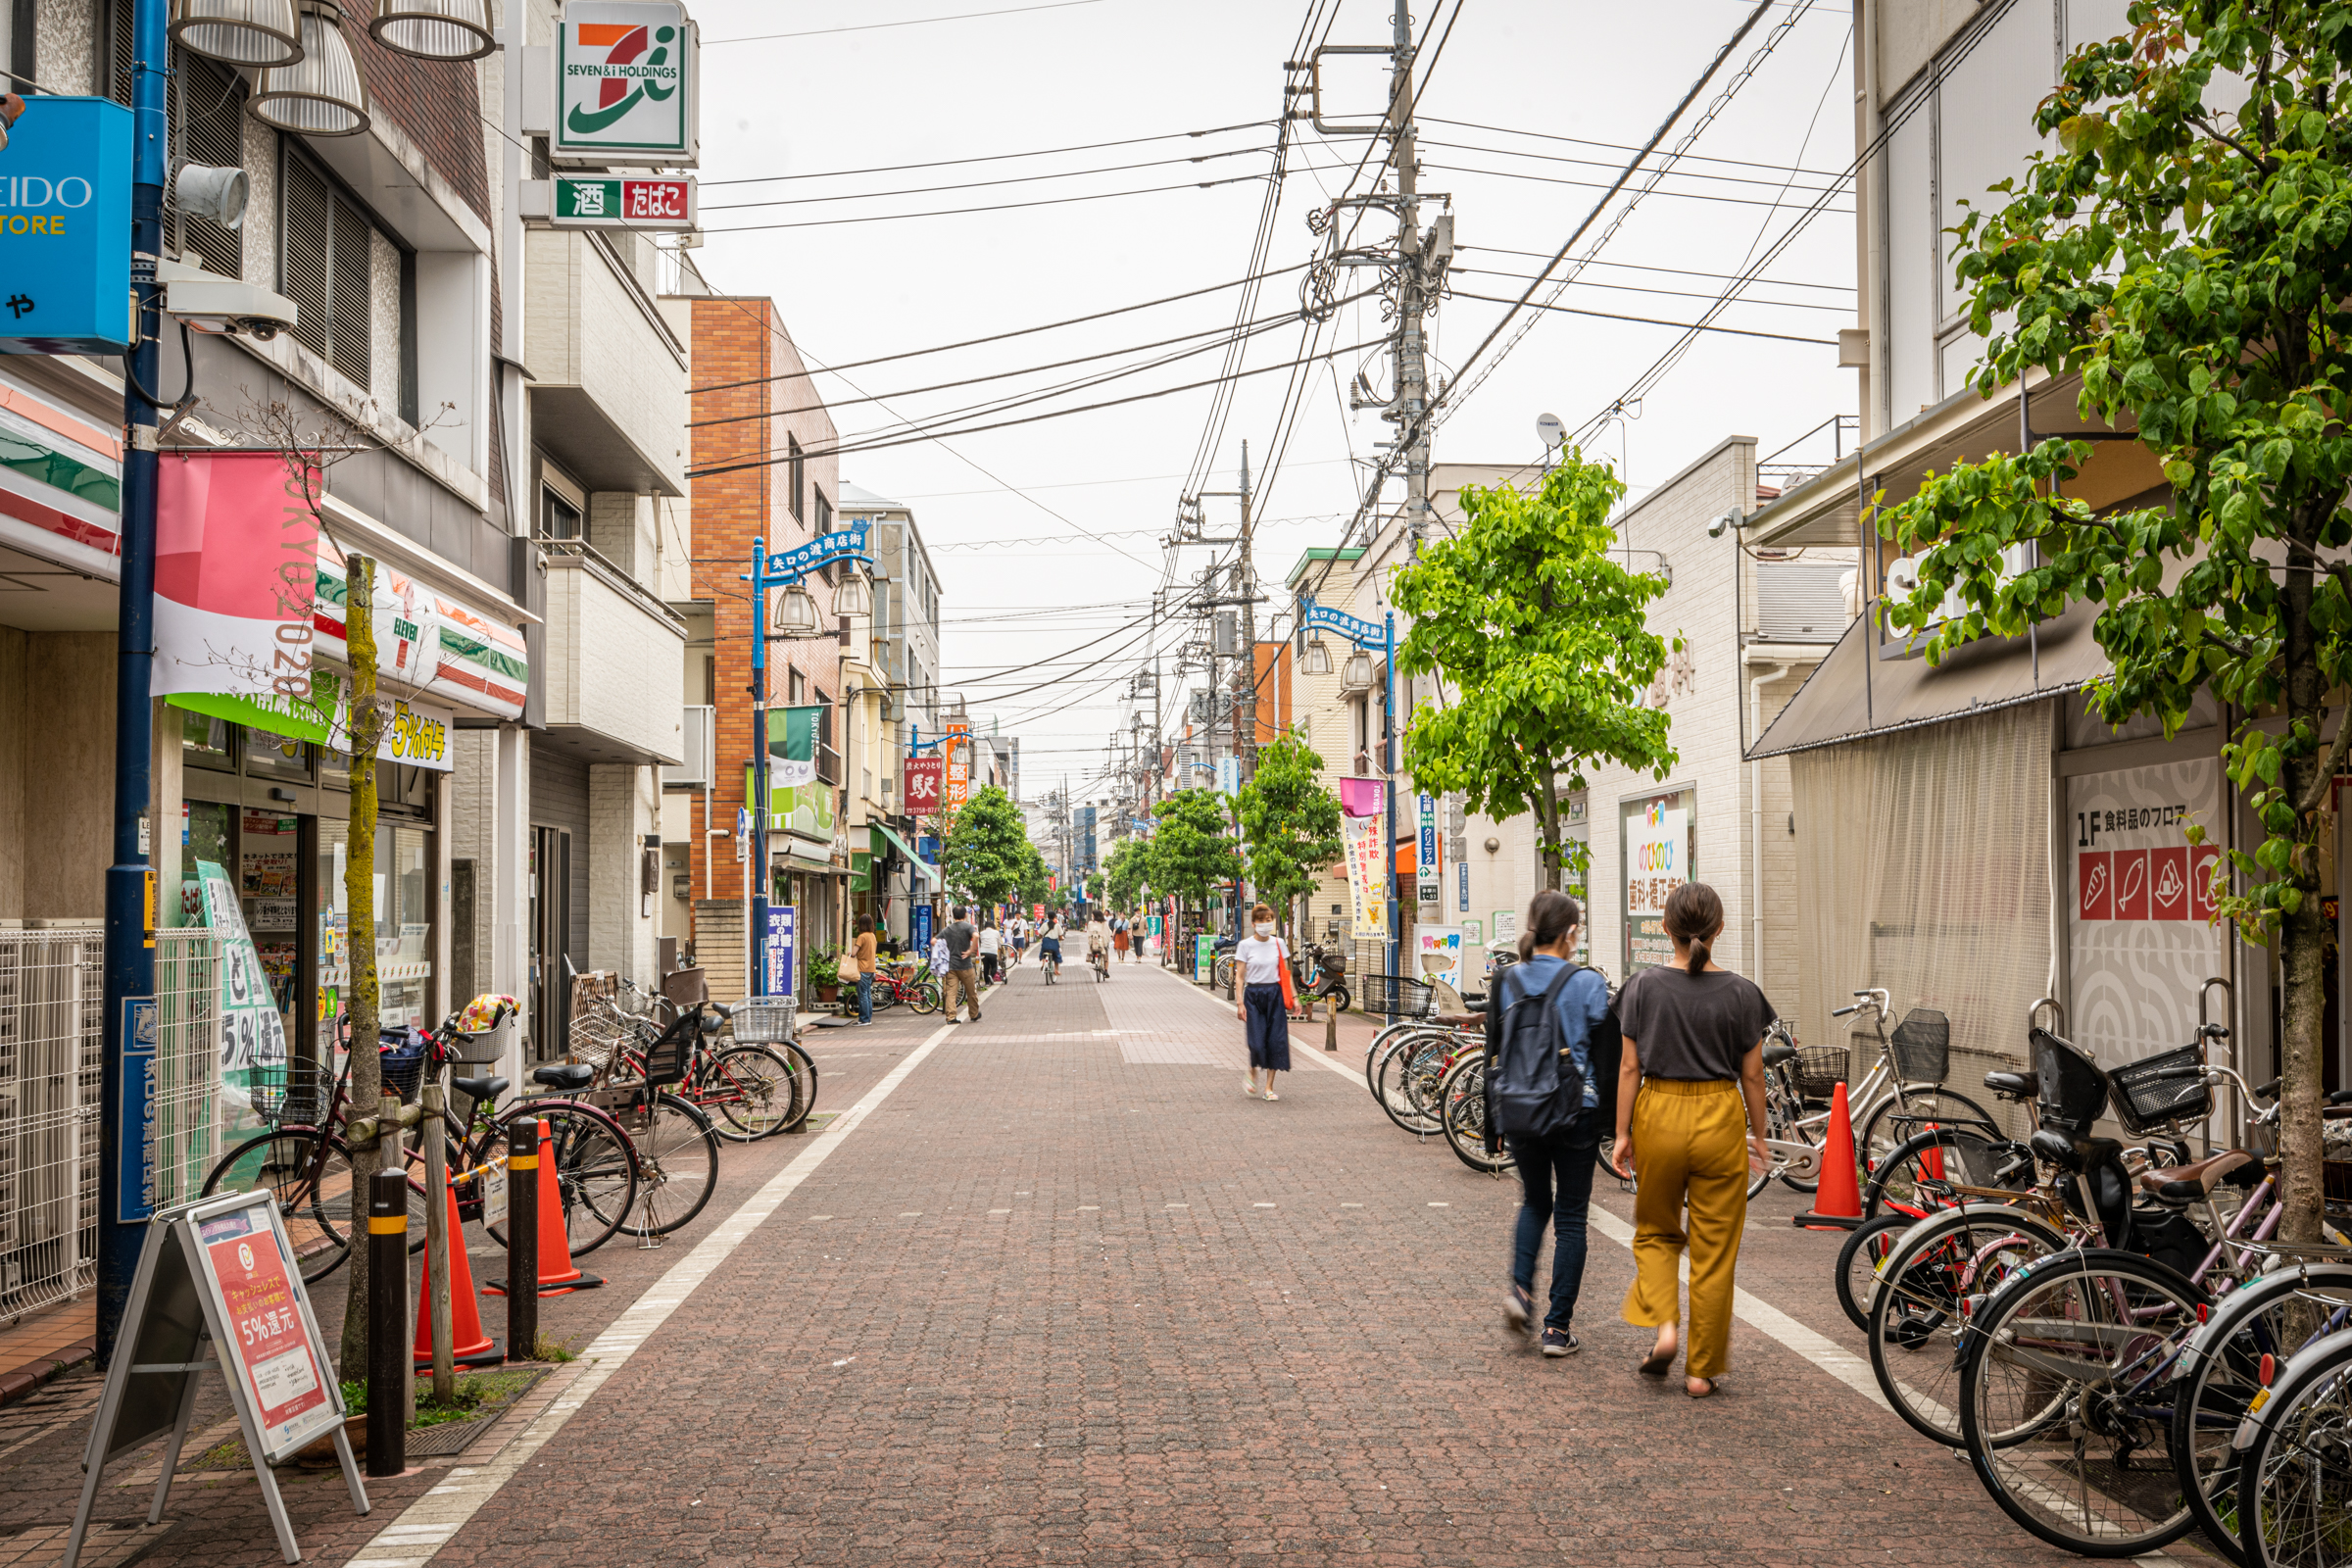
523	1239
387	1321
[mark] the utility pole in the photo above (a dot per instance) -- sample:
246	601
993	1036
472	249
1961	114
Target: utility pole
1412	289
1245	703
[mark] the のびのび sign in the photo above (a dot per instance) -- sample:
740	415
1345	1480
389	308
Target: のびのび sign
1658	845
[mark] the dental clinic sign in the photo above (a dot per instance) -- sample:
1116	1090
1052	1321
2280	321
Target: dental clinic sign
625	87
65	227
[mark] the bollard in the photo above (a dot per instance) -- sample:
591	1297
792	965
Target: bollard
387	1321
522	1238
1331	1023
437	1241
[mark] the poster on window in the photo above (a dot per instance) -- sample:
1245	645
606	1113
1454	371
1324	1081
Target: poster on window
1660	834
2141	940
253	1036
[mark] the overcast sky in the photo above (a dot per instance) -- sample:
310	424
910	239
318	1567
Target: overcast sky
1047	534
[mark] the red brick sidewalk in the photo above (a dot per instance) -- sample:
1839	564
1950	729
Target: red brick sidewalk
1067	1295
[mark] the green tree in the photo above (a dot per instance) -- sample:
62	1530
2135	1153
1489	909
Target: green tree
1033	875
1124	872
1192	849
2189	266
983	858
1544	641
1290	822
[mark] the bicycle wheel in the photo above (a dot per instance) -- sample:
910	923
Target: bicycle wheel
1463	1098
1858	1260
1404	1064
313	1191
594	1165
2221	1374
1915	1318
804	1072
1377	1051
1914	1176
1907	1112
755	1092
923	997
677	1164
2294	1480
2065	1401
1784	1113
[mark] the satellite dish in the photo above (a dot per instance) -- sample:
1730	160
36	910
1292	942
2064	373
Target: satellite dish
1549	427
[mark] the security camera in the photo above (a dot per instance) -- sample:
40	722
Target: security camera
212	304
1733	519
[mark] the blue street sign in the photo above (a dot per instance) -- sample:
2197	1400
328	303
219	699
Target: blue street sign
923	929
64	228
134	1141
849	544
779	948
927	847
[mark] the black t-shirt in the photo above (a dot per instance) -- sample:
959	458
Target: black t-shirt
959	938
1694	1027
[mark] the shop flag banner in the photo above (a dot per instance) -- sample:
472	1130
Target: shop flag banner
781	919
2143	940
959	753
1362	796
1657	861
792	746
625	87
924	777
1363	836
1427	871
252	1034
236	575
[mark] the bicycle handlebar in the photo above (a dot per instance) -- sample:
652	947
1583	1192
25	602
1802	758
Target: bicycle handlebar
1841	1012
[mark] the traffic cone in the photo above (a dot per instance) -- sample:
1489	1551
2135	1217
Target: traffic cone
557	1275
1837	1201
1930	1159
468	1344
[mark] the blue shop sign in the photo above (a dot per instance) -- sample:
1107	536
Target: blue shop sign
64	228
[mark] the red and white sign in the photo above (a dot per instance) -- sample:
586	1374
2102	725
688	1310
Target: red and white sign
2142	940
924	783
643	199
236	575
271	1349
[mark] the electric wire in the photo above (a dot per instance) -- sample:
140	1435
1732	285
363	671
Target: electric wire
974	184
998	207
990	158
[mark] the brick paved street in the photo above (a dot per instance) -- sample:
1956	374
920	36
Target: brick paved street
1067	1295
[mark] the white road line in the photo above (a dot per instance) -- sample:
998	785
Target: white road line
433	1520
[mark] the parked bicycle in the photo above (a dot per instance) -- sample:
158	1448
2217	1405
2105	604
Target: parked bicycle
751	1089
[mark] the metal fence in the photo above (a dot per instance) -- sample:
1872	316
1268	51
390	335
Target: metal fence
51	1003
184	1138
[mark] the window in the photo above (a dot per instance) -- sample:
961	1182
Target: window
205	102
558	519
799	466
825	513
324	266
796	688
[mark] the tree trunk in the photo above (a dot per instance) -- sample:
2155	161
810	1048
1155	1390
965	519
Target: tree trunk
1547	818
361	995
2303	933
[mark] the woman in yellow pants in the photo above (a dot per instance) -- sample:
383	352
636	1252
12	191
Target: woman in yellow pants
1691	1086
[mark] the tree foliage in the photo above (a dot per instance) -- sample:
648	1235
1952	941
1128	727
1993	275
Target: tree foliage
1546	646
1290	822
1193	849
2189	264
1126	871
1033	875
983	858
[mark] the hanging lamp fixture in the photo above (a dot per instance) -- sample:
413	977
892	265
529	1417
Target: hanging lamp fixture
321	93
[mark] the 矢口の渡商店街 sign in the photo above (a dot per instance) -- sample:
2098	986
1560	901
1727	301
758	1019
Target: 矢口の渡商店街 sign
626	88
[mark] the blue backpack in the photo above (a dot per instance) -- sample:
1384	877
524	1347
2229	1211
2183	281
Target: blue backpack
1533	1086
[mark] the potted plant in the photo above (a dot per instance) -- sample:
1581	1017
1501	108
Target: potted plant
824	974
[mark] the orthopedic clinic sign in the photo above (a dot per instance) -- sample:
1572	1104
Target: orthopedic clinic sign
627	93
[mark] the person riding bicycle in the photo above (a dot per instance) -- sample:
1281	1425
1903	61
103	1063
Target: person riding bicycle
1098	945
1048	951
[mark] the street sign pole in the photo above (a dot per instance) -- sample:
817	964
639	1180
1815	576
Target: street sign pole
759	803
124	1094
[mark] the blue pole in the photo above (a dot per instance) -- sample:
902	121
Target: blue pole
758	864
126	1091
1389	654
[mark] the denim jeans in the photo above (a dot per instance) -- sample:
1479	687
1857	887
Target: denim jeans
1556	1181
865	997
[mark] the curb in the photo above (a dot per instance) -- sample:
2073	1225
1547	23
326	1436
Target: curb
26	1380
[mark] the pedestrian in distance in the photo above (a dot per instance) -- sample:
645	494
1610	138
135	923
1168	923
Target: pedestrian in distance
1118	938
1262	957
1098	946
962	983
862	952
1020	939
992	942
1048	951
1547	1103
1691	1084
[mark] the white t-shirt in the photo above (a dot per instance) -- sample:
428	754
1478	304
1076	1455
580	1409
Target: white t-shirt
1260	962
987	938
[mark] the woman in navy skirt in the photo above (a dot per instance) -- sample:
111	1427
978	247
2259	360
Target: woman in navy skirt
1261	955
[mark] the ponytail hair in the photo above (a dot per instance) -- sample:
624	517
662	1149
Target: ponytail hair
1694	916
1550	915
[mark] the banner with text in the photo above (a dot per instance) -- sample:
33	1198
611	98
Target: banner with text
2142	939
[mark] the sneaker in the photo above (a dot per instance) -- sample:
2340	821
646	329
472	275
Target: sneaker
1518	1310
1560	1341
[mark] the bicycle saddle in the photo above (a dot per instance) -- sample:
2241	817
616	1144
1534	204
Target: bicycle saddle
568	1075
480	1088
1777	1052
2077	1154
2014	1085
2186	1184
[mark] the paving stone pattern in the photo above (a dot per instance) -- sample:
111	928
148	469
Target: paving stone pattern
1068	1296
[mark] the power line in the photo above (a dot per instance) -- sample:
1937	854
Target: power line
1651	321
1654	267
990	158
999	207
909	21
1845	309
1590	184
1621	147
975	185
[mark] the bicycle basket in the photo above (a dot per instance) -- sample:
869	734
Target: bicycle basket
1820	1069
2073	1092
2167	1086
293	1091
1922	1047
1399	995
764	1020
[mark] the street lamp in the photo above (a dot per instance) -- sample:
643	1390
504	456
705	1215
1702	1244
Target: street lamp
1358	675
795	612
1318	658
240	32
852	597
434	29
320	93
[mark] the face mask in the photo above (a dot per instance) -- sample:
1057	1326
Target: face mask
1263	930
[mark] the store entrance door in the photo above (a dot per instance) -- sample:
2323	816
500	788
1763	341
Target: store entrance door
551	946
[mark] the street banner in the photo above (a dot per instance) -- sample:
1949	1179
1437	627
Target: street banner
1363	835
2142	940
926	777
236	575
1362	796
792	746
959	753
1426	870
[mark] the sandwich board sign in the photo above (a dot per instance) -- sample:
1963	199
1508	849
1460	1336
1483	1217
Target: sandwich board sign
218	1290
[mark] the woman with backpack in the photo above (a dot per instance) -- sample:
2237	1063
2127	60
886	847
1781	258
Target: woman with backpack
1548	1103
1689	1118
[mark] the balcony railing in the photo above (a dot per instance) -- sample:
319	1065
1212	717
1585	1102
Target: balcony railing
696	740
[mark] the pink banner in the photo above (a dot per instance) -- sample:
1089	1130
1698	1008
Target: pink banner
236	575
1362	796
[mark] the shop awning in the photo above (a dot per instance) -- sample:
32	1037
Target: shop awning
1858	691
922	869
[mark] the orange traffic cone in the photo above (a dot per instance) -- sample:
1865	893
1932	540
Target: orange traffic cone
1838	1202
1930	1159
557	1275
468	1344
